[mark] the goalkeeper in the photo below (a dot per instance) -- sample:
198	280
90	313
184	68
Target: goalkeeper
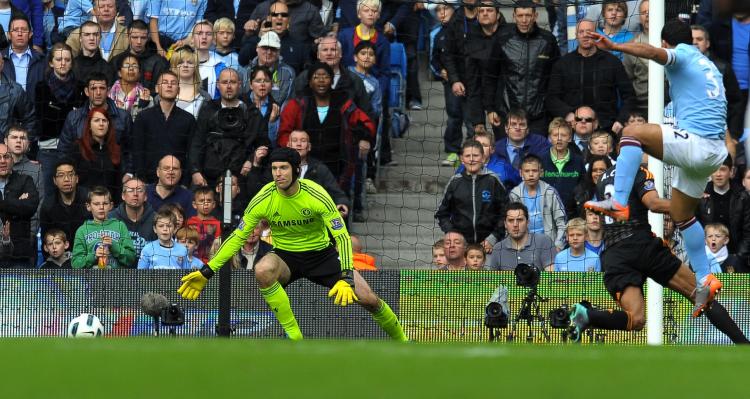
301	214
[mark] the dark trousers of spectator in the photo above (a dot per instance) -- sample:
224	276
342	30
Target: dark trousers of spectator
408	35
456	110
48	159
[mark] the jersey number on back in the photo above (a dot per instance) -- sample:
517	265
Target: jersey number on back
713	89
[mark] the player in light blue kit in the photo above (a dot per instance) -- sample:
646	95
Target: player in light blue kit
695	145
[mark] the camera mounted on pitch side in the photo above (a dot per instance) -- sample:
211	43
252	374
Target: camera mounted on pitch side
173	315
559	317
526	275
497	309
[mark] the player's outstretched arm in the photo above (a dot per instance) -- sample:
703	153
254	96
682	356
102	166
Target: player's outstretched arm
193	283
641	50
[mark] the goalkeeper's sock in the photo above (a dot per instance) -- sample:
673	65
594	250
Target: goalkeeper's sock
720	318
609	319
278	301
388	321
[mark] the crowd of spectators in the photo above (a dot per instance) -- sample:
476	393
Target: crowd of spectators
555	110
120	119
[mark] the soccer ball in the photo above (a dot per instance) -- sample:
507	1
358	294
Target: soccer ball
85	326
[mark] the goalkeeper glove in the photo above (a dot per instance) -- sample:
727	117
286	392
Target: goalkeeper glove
344	290
193	283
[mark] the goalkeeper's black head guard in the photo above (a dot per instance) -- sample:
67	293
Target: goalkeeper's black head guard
287	155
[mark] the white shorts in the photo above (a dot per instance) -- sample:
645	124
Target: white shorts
695	158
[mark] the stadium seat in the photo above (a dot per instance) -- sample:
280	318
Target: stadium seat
397	94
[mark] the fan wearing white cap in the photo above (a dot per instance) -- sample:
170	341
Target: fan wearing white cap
268	50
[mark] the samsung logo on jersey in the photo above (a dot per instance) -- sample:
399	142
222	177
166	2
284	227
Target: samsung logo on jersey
293	222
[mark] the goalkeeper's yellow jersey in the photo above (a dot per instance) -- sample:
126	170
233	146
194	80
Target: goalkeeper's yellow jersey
299	223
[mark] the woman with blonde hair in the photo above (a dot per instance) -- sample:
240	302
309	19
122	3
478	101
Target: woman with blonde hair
184	62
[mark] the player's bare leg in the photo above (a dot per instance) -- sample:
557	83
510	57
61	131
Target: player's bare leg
381	312
636	139
630	318
683	282
683	213
271	272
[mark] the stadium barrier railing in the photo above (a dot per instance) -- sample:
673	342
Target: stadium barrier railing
433	306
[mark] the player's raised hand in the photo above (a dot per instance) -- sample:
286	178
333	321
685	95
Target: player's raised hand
192	284
344	293
602	41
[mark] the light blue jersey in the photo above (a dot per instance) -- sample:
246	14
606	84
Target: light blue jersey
697	92
156	256
177	17
588	262
76	13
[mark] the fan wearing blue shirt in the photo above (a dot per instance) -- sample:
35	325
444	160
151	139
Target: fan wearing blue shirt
172	21
164	252
577	258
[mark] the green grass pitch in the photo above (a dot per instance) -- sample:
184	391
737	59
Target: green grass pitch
244	368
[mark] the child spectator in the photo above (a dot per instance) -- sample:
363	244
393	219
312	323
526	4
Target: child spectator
224	36
594	232
102	242
577	258
189	237
562	167
6	244
362	261
364	60
475	257
600	143
207	226
717	238
636	118
438	254
164	252
178	212
56	244
473	203
368	12
493	163
546	212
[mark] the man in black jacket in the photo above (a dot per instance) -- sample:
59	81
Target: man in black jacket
589	76
18	203
151	63
520	62
90	60
66	209
478	51
15	106
228	130
163	129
